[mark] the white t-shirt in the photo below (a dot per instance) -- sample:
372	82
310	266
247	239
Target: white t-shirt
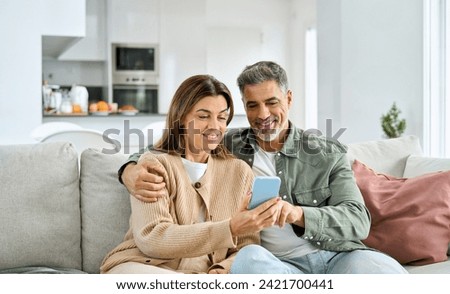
196	170
282	242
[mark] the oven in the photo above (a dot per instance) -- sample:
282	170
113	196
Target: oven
135	75
142	97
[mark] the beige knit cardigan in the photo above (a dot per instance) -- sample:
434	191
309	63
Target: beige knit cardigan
171	233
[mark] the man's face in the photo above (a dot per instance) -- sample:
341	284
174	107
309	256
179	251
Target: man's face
267	109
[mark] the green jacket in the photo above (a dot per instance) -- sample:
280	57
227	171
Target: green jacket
315	174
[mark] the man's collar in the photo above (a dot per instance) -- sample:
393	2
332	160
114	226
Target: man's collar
290	147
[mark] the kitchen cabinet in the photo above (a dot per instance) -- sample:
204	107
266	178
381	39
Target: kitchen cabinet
92	47
133	21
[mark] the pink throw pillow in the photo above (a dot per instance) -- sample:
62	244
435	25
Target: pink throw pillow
410	217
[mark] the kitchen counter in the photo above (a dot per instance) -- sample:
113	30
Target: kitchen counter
100	114
105	122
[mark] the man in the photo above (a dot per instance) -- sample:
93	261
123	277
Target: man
322	217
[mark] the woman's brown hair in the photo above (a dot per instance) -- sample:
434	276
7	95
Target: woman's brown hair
191	91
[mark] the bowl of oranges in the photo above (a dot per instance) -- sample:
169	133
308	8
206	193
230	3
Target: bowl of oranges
100	108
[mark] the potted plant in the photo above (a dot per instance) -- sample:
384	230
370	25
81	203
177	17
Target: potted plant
392	126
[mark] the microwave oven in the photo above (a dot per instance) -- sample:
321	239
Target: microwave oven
135	64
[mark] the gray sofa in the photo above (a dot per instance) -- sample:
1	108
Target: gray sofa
57	218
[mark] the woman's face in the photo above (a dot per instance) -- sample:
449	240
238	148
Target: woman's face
205	126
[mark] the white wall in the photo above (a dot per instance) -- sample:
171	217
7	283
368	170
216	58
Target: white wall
93	46
302	15
370	55
22	23
241	33
133	21
221	38
182	44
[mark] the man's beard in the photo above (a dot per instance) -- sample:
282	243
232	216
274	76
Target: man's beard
268	137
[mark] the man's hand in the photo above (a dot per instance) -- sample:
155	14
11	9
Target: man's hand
291	214
144	181
252	221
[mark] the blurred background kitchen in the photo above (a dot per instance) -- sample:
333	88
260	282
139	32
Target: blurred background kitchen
77	43
341	56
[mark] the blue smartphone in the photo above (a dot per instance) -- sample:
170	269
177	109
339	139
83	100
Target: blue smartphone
264	188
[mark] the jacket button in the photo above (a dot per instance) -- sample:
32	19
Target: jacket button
197	185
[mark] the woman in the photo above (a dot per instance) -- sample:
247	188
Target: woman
199	225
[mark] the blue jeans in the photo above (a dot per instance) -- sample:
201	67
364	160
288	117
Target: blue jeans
254	259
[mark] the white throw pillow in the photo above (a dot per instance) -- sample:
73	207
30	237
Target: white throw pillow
385	156
419	165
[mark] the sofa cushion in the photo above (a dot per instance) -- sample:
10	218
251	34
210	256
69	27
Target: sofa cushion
105	206
40	203
41	270
434	268
386	156
419	165
410	217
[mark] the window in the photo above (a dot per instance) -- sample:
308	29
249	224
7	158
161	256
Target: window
436	115
311	120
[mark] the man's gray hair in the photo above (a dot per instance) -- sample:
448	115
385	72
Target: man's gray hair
260	72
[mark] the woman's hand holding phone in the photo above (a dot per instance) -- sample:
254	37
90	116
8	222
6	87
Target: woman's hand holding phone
253	221
263	215
264	188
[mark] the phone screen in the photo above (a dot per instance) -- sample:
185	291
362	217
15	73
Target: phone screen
264	188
